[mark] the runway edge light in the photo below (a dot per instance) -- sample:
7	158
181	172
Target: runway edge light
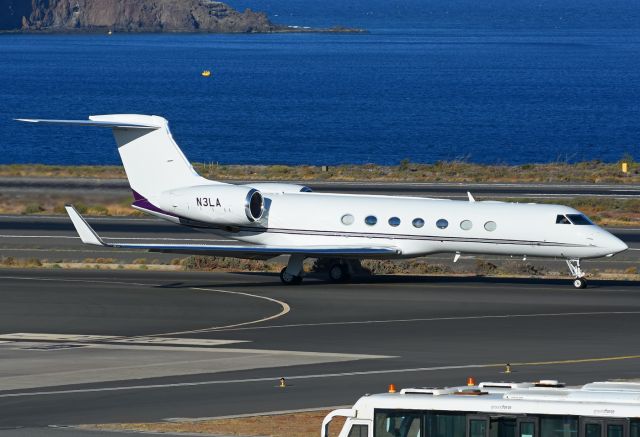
283	383
392	388
471	381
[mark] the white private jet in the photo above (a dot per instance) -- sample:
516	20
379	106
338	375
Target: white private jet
288	219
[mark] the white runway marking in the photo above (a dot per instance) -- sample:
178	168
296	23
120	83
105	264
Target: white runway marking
91	219
91	339
285	307
318	376
40	236
438	319
114	238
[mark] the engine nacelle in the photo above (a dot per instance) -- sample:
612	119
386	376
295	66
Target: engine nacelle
217	204
279	188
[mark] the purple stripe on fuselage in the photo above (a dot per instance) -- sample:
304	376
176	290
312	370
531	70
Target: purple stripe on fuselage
141	202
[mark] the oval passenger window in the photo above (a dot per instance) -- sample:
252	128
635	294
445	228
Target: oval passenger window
490	226
347	219
371	220
466	225
394	221
418	223
442	224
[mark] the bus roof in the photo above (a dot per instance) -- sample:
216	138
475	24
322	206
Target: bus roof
597	399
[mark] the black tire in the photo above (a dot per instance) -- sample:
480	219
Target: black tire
339	273
289	279
580	283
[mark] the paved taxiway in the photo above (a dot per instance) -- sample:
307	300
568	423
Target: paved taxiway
120	188
191	331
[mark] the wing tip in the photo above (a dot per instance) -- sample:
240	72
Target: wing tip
85	232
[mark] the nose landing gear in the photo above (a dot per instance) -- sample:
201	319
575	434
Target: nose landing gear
578	274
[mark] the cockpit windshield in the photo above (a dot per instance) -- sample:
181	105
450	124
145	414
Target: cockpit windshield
573	219
579	219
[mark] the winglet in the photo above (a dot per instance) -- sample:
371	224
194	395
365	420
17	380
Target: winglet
86	233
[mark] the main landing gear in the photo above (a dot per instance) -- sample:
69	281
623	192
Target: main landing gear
292	273
338	270
578	274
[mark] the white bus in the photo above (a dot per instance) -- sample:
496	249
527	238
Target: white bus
543	409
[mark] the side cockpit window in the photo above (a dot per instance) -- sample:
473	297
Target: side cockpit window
573	219
579	219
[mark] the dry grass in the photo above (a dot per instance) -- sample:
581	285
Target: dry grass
451	171
442	171
53	204
304	424
508	268
62	171
217	263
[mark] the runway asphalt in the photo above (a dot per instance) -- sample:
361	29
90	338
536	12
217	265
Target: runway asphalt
120	188
90	340
92	346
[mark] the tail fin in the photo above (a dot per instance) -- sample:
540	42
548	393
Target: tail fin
152	160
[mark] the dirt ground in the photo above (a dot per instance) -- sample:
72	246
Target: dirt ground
300	424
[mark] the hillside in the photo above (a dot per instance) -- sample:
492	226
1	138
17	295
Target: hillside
131	16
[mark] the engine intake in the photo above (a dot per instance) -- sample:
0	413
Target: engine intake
254	205
220	204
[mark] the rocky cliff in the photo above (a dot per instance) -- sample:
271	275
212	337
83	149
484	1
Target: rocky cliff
130	16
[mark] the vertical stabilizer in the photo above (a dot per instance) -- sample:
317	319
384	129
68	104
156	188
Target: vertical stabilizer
152	160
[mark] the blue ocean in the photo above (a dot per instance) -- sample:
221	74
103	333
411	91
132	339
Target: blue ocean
488	82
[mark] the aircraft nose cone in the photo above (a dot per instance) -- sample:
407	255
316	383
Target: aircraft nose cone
616	245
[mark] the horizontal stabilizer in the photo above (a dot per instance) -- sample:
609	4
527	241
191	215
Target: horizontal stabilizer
89	236
97	123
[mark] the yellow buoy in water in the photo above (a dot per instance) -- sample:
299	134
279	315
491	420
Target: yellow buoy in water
206	73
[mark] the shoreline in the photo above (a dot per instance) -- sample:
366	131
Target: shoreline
105	31
588	172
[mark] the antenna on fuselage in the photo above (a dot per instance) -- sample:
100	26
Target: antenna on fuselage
471	199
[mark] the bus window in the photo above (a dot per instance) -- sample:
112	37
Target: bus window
396	424
634	428
558	426
502	427
593	430
477	427
527	429
616	430
358	431
445	425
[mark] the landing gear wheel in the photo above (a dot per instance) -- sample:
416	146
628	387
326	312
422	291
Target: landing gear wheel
339	273
288	279
580	283
578	274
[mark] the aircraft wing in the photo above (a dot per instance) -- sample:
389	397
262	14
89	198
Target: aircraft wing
89	236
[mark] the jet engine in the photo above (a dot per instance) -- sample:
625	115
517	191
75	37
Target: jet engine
279	188
229	205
